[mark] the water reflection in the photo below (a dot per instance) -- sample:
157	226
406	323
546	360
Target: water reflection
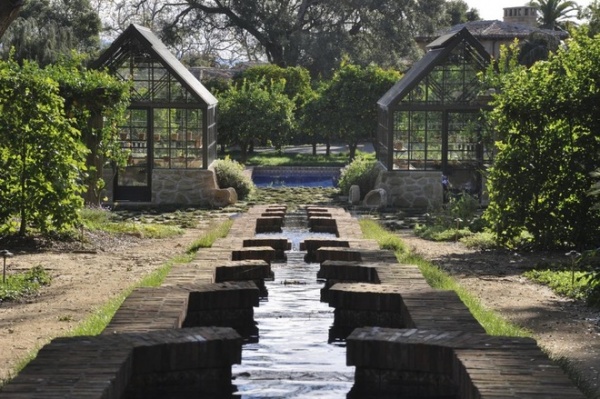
292	358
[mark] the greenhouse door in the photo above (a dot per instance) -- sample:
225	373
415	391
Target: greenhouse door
133	181
462	163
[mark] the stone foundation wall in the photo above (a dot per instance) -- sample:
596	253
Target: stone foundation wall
173	186
182	186
412	189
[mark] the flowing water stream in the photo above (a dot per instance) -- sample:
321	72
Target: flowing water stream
292	358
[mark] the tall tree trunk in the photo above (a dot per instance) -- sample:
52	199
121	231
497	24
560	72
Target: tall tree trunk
9	10
352	150
95	160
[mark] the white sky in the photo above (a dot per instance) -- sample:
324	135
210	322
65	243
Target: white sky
492	9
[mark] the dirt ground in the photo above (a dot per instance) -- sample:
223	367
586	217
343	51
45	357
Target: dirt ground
83	281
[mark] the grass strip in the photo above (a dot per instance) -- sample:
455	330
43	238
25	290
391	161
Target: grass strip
437	278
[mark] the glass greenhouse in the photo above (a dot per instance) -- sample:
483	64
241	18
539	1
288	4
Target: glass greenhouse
431	119
171	120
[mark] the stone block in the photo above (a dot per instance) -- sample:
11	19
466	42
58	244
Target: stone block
320	224
376	198
311	245
354	195
130	365
233	197
337	253
348	271
220	197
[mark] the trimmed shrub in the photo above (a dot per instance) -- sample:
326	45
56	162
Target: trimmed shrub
230	173
362	171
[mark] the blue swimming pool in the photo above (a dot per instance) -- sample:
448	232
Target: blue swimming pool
295	177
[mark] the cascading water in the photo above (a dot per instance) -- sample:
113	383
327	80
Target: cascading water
292	358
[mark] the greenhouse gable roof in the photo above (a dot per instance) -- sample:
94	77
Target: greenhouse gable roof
120	48
438	51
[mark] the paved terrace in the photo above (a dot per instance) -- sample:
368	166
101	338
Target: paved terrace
404	337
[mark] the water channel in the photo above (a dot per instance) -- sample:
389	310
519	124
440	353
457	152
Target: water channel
292	358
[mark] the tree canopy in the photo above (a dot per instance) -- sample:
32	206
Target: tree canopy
458	12
255	112
346	106
41	154
546	117
555	13
592	14
47	30
310	33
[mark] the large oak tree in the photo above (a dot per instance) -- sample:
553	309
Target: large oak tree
310	33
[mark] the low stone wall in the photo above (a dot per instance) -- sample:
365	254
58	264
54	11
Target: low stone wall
412	189
182	186
173	186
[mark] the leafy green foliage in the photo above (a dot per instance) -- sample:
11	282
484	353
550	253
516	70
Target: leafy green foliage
207	240
296	86
230	173
255	112
346	107
589	263
458	12
441	233
561	282
592	14
362	171
555	13
42	157
595	189
96	101
296	159
547	121
457	220
481	240
372	230
24	284
296	80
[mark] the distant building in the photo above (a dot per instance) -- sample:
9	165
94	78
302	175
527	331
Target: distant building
518	23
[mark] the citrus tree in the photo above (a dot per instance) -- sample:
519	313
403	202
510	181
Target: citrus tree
349	103
255	113
42	157
546	117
